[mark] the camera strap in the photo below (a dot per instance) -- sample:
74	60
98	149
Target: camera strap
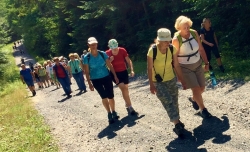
165	63
74	64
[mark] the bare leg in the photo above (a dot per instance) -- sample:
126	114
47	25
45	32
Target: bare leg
105	103
125	93
219	61
112	104
197	91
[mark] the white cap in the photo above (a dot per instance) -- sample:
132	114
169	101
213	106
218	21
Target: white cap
164	34
92	40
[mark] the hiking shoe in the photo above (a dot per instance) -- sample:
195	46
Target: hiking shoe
222	68
205	114
131	111
195	105
182	124
110	118
115	116
178	129
34	93
69	95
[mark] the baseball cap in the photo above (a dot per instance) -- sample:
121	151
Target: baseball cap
164	34
113	44
92	40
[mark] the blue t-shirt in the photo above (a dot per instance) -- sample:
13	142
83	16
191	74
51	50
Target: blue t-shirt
97	65
26	74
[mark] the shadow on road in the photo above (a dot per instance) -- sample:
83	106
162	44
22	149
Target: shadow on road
109	131
212	128
64	99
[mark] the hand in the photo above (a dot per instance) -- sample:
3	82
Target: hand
70	76
153	89
116	80
111	58
184	86
206	68
91	87
132	74
211	44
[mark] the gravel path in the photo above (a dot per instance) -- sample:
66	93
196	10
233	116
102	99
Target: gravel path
80	124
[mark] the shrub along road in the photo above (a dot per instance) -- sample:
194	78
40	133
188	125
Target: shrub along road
80	123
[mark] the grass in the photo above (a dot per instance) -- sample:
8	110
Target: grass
21	127
235	68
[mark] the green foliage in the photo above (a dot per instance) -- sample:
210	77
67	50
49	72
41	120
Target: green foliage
59	27
22	128
8	69
230	19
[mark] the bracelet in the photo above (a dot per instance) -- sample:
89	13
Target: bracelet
207	63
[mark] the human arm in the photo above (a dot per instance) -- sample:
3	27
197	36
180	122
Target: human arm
150	74
111	68
128	60
22	79
178	71
33	75
86	69
68	68
81	65
177	68
205	41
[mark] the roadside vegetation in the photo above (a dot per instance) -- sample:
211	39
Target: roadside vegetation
21	127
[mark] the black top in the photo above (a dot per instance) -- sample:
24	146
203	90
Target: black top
208	36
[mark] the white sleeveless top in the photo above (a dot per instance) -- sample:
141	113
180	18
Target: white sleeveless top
185	49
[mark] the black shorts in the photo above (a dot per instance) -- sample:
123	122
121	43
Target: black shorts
104	87
213	49
122	76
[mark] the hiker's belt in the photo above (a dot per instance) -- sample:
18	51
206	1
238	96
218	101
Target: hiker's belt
189	56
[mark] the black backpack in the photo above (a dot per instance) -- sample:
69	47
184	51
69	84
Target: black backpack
88	56
155	52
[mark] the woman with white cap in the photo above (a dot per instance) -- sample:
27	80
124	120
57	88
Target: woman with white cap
97	74
161	76
119	57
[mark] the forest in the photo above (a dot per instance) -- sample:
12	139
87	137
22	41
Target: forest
58	27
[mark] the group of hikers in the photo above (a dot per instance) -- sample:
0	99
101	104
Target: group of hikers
168	60
17	48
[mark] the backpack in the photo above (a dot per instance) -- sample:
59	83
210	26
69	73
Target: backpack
155	52
178	36
88	56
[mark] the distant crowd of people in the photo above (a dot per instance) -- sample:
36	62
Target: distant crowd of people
17	46
167	63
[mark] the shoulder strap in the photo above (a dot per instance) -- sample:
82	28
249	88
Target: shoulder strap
179	39
101	55
154	52
88	57
171	49
193	33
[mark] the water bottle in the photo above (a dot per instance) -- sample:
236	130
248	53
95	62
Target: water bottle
213	79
